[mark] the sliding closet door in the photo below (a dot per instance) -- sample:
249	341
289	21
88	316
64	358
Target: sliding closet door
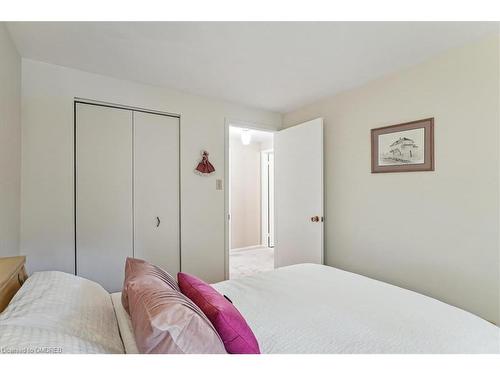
156	190
104	224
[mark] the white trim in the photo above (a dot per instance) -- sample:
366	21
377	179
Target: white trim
263	198
265	234
123	106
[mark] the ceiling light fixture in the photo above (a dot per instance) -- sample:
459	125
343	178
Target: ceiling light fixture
246	137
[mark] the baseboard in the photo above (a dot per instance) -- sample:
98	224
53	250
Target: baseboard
237	250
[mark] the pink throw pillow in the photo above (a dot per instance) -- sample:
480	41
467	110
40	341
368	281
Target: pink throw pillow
234	331
135	268
166	322
163	319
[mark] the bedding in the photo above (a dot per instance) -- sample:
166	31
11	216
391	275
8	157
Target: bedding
55	312
227	320
136	267
309	308
124	325
297	309
167	322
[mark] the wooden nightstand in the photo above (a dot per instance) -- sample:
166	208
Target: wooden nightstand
12	276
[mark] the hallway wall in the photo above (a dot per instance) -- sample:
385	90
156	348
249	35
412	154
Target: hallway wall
245	193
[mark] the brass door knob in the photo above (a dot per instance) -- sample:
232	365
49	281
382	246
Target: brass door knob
315	219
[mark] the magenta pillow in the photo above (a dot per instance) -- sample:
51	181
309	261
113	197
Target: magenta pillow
234	331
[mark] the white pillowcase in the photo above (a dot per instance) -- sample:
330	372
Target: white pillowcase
58	312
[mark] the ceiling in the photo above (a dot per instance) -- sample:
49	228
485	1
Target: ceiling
277	66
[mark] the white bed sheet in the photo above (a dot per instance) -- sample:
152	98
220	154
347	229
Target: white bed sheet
125	325
310	308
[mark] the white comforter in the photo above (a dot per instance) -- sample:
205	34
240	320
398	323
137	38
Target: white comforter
318	309
55	312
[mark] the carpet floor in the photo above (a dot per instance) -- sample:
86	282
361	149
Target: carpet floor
249	262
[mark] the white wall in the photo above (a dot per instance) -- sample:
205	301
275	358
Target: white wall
10	144
245	193
47	232
433	232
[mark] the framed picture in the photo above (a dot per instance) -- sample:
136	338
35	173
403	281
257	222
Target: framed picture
407	147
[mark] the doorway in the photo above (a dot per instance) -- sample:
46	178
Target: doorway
295	207
251	201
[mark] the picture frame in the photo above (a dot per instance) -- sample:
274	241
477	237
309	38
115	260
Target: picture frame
406	147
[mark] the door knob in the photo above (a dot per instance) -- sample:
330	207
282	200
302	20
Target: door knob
315	219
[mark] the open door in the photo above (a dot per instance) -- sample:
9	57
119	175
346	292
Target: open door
298	158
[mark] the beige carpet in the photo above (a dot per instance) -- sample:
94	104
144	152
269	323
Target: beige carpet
249	262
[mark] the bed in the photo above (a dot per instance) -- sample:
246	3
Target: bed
310	308
304	308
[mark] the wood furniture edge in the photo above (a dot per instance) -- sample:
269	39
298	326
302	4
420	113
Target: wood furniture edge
13	282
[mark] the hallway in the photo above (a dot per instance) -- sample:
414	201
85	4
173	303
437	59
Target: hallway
247	262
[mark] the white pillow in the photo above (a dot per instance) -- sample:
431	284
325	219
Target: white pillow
56	309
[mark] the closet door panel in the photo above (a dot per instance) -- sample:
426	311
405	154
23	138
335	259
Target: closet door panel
156	190
104	215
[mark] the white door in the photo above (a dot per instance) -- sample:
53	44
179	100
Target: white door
156	190
103	193
298	162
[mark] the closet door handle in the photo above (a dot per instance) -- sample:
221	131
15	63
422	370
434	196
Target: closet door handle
157	222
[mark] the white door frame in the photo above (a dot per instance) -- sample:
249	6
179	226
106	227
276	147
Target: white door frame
227	228
264	201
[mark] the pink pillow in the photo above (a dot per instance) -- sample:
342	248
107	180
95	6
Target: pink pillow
163	319
135	267
234	331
